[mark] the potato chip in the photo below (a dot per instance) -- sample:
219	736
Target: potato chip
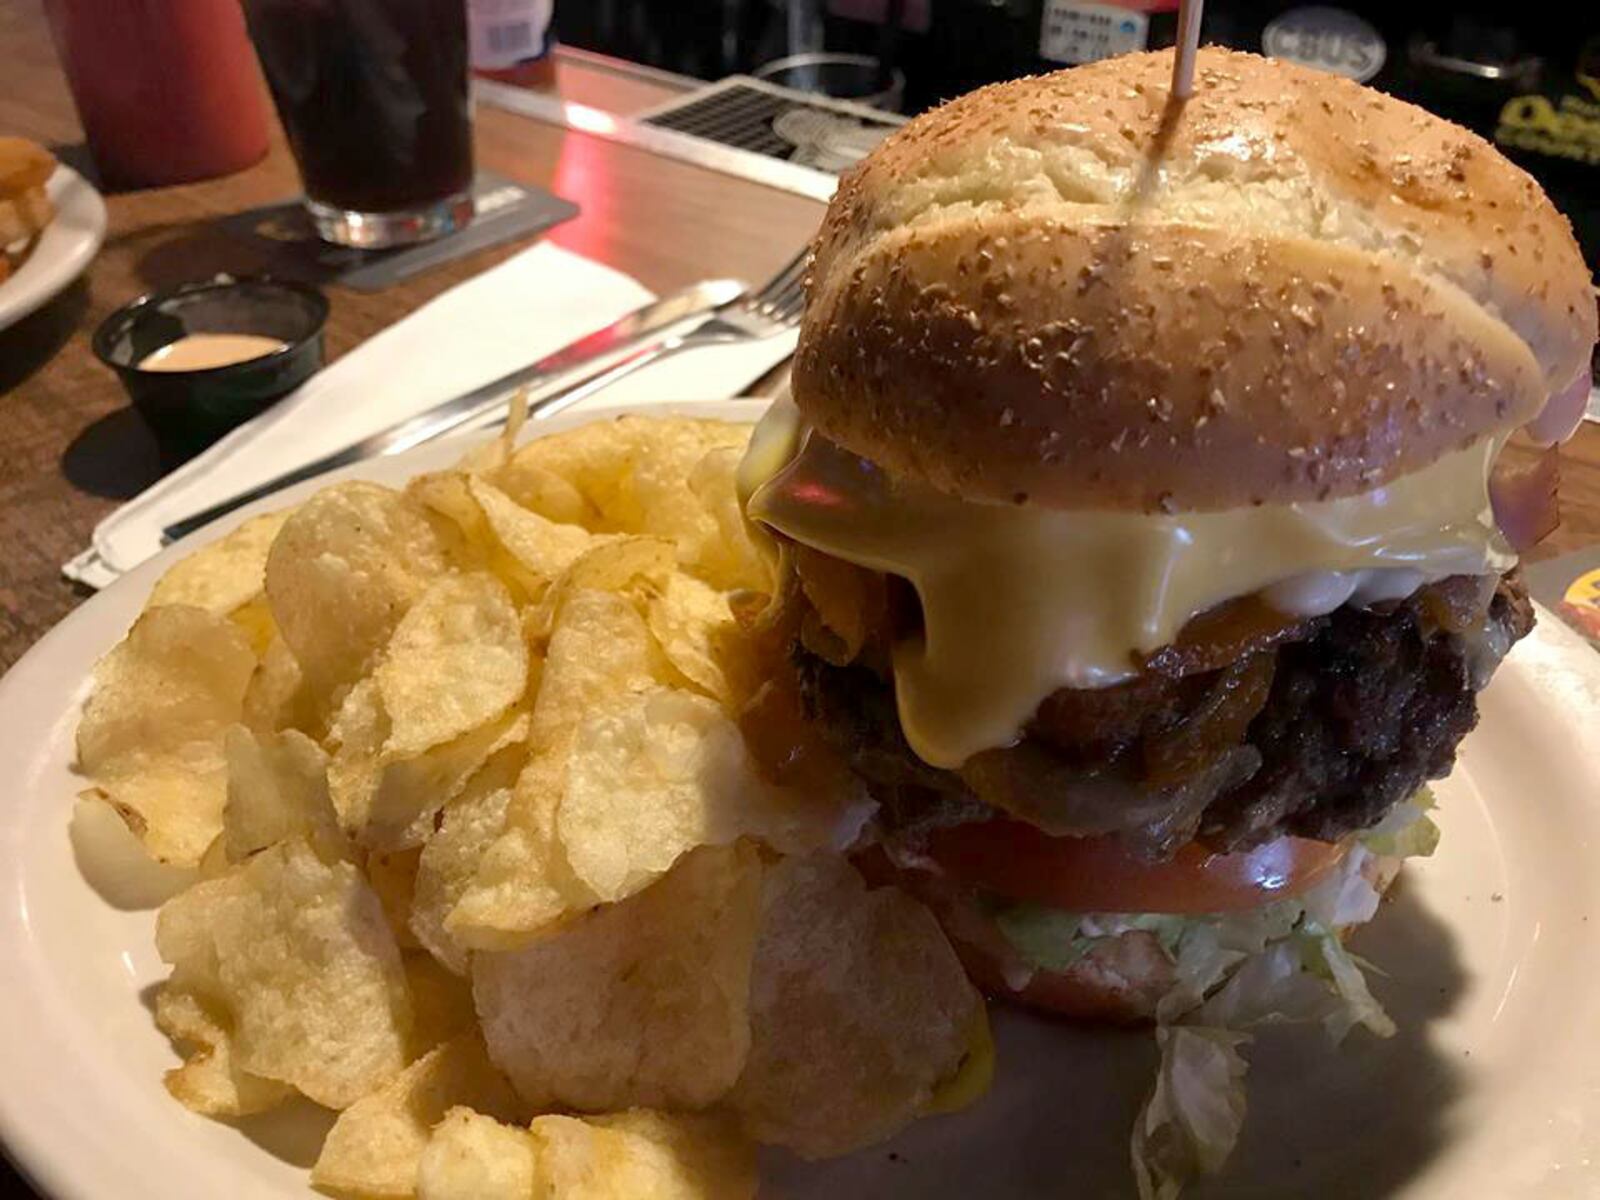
639	1003
376	1144
654	774
255	622
594	460
441	1003
636	568
356	738
225	575
392	875
642	1155
496	453
464	533
600	649
151	733
341	574
474	1157
409	793
726	556
456	662
540	490
114	861
275	699
543	548
210	1080
296	952
277	790
665	456
692	623
523	886
449	861
859	1010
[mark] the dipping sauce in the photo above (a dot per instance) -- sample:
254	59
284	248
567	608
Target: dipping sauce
202	351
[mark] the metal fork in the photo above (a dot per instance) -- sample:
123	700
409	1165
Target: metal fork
775	309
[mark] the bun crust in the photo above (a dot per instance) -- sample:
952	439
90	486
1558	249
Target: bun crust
1061	291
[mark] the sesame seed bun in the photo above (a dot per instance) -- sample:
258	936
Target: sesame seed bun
1065	291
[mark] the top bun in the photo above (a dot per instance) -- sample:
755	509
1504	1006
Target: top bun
1068	291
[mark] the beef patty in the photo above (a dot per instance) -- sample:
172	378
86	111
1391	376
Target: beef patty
1317	728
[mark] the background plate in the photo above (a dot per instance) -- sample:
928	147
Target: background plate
1490	1089
64	249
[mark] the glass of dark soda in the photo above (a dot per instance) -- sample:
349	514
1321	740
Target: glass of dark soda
373	97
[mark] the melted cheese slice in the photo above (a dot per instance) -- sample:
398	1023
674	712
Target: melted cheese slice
1019	601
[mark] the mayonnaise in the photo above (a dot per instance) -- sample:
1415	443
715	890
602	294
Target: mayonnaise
1019	601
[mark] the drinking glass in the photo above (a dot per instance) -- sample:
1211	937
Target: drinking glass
373	97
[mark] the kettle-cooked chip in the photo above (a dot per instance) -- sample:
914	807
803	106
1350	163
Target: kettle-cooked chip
638	1003
390	804
456	662
277	790
210	1081
600	648
594	460
474	1157
374	1148
665	456
726	557
114	861
275	698
636	568
342	572
859	1010
464	535
693	625
642	1155
297	953
523	886
541	547
176	679
226	574
151	733
409	792
356	738
534	487
654	774
469	826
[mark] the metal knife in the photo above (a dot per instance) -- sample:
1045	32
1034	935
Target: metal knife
573	365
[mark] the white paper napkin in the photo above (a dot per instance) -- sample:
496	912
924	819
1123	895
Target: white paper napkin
530	305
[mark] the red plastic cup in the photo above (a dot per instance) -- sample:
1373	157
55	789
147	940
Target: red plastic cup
167	90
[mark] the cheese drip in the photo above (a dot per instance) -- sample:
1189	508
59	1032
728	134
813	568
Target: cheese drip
1019	601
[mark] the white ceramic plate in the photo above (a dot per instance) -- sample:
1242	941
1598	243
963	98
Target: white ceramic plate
1491	1089
64	249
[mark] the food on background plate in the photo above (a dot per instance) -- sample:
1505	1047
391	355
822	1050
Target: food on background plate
458	836
25	208
1140	538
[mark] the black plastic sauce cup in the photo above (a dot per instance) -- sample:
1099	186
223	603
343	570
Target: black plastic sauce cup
188	410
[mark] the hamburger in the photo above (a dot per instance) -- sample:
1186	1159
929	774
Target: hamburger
25	207
1135	531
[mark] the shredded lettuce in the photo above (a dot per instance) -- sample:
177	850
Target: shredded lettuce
1195	1111
1358	1007
1406	831
1281	963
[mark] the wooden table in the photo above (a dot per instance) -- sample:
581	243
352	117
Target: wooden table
71	449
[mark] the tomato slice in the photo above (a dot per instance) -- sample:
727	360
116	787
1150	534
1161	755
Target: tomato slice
1016	860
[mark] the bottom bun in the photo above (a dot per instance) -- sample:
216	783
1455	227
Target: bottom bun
1119	982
